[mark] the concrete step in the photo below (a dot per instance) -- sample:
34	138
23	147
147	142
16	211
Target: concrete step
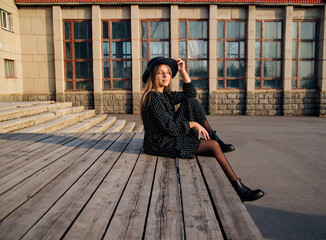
59	123
139	128
26	111
84	125
102	126
117	126
64	111
13	105
129	127
25	122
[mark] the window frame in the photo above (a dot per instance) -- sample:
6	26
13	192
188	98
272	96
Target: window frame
225	58
187	39
262	59
11	64
110	40
148	40
73	60
8	16
298	58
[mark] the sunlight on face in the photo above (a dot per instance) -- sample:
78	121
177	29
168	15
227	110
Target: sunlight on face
163	77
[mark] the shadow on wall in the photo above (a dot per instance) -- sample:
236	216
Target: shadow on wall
284	225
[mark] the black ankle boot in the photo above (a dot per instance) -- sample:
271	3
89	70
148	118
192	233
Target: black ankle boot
245	193
225	147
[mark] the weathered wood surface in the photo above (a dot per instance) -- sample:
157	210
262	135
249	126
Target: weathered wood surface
102	186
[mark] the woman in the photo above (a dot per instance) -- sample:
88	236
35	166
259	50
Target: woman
185	132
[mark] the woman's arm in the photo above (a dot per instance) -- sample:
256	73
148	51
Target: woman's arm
182	70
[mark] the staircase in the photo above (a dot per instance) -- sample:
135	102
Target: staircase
53	117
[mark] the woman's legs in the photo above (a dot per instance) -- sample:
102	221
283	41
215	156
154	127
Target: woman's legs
212	148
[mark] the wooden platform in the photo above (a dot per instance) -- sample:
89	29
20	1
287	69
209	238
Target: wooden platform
102	186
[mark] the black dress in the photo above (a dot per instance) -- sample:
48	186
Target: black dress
167	132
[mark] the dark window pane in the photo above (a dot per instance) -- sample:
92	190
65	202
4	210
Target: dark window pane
82	30
81	70
235	69
84	85
67	31
81	51
159	30
220	69
200	83
106	69
257	69
239	83
182	49
90	69
69	85
182	29
144	50
90	50
68	70
235	49
308	50
159	49
144	33
220	84
294	49
257	49
294	68
122	84
198	68
305	83
308	30
273	30
272	83
295	30
121	30
106	53
294	83
235	30
197	29
272	69
308	69
67	50
105	30
197	49
258	30
257	83
272	50
107	85
220	30
121	50
122	69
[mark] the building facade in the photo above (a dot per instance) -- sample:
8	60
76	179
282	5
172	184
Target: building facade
245	57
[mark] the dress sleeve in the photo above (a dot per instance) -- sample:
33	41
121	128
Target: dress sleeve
163	120
189	90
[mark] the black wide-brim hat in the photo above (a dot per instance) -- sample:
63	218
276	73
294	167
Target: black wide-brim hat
158	61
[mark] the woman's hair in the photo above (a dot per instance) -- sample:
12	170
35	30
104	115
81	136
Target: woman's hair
152	85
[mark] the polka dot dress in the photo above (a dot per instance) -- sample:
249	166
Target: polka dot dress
167	132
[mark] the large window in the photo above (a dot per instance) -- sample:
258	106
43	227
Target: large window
304	54
6	20
9	68
78	55
268	54
193	38
231	54
116	55
155	37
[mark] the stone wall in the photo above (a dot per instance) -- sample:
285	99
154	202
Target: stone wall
85	99
231	102
302	102
266	103
322	104
117	102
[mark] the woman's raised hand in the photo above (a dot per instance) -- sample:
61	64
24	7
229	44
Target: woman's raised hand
200	129
182	70
181	64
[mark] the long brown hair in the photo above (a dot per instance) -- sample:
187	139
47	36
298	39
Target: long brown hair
152	85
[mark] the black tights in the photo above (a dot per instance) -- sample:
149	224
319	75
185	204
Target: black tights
212	148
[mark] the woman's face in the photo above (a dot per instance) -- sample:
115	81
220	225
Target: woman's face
163	76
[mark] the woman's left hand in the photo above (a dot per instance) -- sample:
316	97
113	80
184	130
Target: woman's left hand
200	129
181	64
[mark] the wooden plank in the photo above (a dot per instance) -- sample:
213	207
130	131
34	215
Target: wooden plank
200	220
235	219
19	139
64	166
165	214
57	220
129	219
25	162
93	220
